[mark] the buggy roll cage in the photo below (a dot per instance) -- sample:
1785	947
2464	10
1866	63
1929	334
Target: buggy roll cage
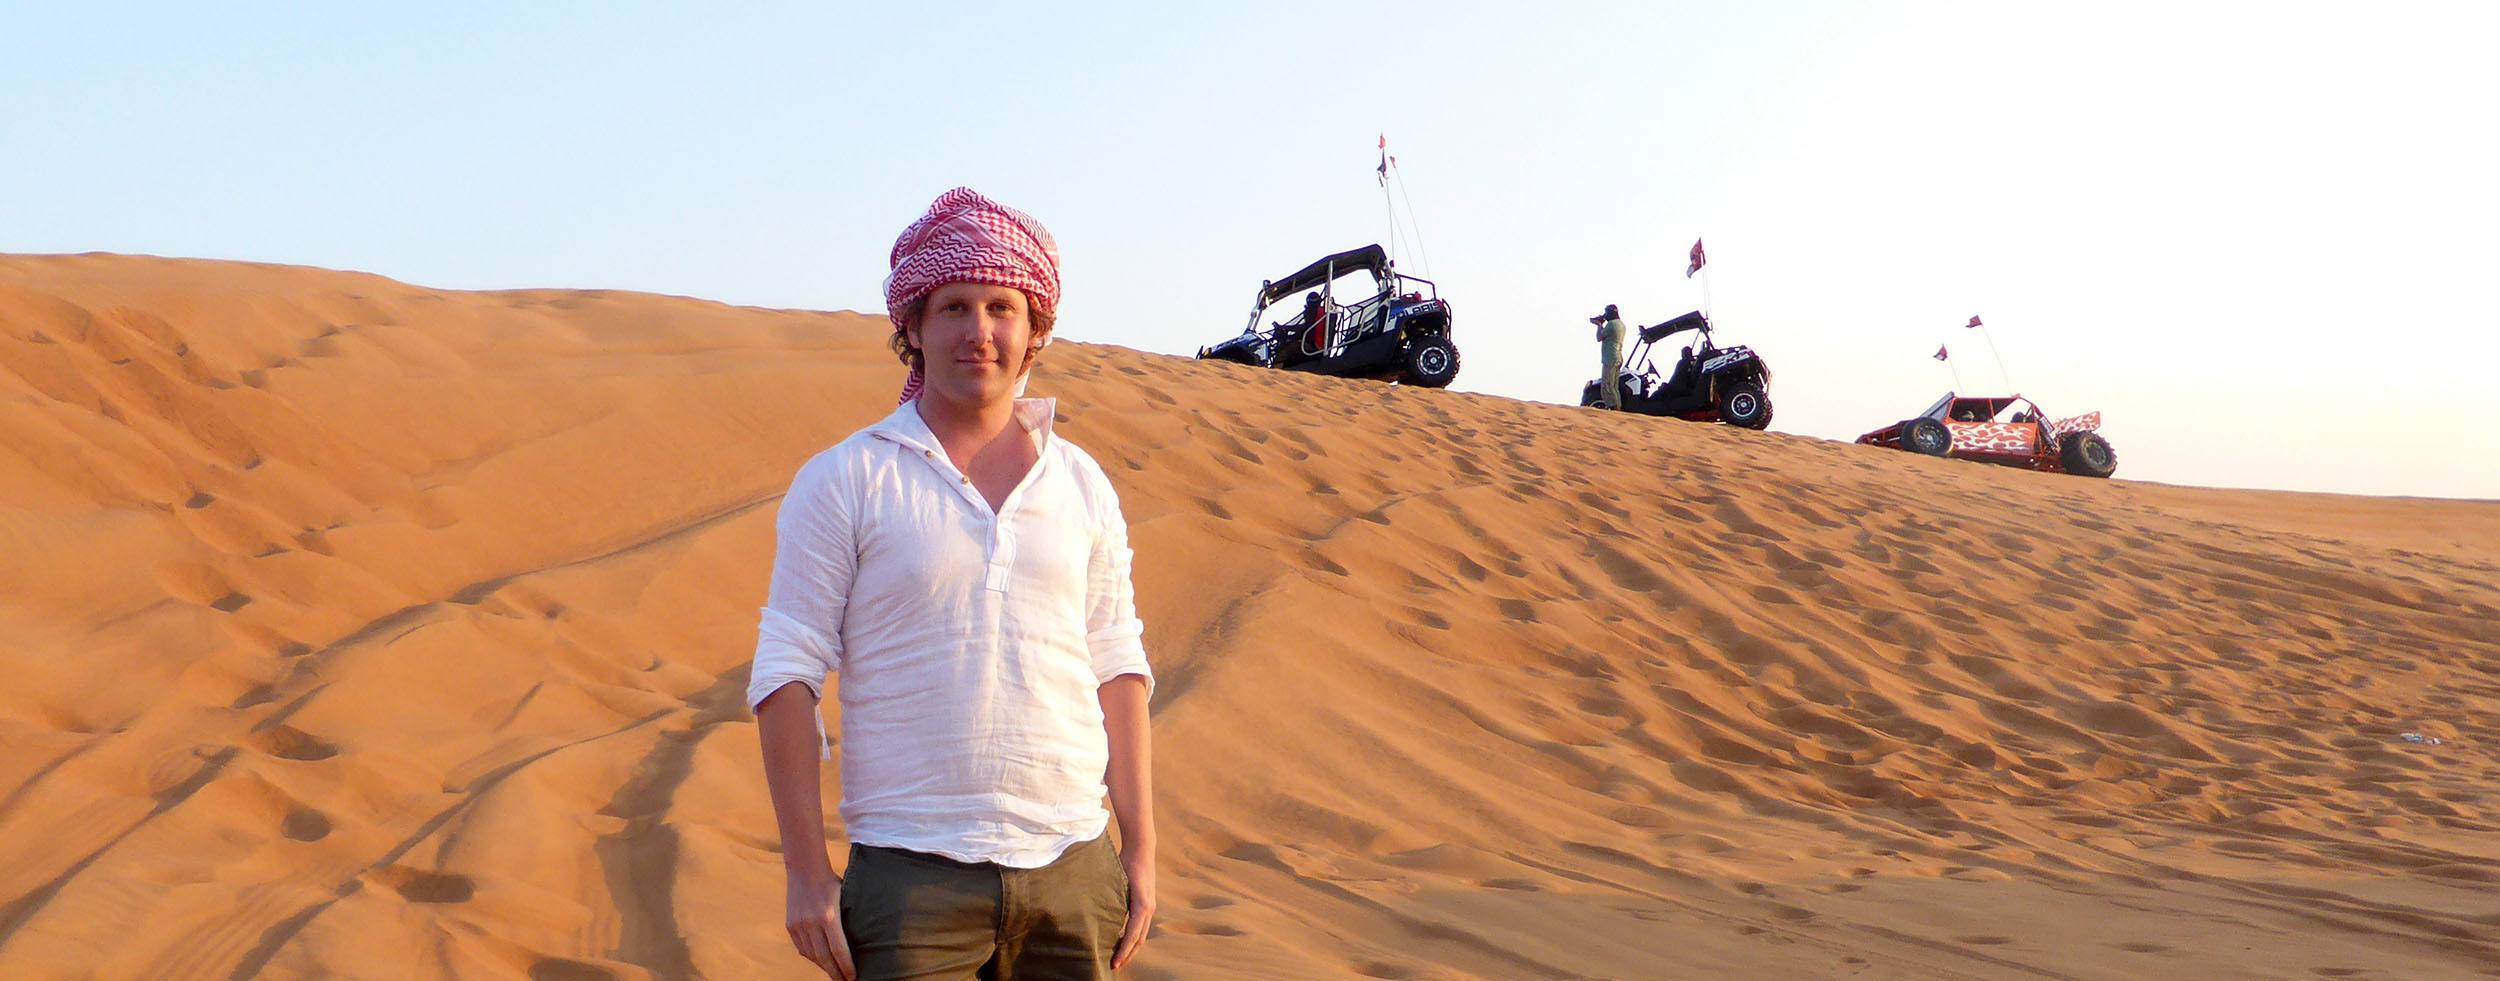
1636	360
1659	332
1994	404
1323	273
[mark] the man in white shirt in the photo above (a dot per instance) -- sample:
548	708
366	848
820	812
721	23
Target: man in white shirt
965	574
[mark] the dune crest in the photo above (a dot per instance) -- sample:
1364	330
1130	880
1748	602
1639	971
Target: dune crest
350	623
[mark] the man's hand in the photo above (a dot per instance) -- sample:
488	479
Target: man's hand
786	723
1140	864
815	922
1130	777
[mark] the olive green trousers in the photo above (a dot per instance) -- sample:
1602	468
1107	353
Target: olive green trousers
912	915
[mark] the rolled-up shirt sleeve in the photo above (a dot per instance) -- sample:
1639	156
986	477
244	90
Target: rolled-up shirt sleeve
799	637
1113	634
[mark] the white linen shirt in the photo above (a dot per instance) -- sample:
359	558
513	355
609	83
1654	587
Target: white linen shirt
969	645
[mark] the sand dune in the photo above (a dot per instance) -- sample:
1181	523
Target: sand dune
353	628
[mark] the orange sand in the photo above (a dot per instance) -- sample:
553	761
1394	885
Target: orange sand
352	628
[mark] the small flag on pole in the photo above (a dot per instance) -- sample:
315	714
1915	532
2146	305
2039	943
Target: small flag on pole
1384	159
1940	353
1699	260
1974	321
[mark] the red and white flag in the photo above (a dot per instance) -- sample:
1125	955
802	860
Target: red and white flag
1940	352
1974	321
1384	159
1699	260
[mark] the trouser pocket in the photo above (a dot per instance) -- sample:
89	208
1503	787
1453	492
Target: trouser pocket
908	915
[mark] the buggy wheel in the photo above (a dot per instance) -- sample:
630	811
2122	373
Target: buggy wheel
1745	406
1431	362
1924	435
2088	455
1590	397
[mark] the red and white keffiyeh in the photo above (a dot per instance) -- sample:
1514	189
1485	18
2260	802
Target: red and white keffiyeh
967	238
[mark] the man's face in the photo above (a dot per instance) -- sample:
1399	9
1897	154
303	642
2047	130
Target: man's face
975	341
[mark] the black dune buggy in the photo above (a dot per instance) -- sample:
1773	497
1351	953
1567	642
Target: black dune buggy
1709	383
1391	333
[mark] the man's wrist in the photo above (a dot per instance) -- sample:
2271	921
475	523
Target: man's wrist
818	871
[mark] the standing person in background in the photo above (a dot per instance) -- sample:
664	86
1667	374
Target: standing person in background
965	574
1610	333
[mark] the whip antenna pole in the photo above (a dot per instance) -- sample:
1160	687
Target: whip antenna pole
1992	350
1420	251
1392	210
1993	353
1388	203
1700	264
1944	353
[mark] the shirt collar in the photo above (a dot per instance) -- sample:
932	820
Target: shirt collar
906	427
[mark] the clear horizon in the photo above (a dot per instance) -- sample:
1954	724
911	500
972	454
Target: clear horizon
2251	235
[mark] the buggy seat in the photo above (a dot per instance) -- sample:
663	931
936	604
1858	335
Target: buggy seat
1687	369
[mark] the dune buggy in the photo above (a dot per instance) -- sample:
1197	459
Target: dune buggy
1388	331
2009	430
1709	383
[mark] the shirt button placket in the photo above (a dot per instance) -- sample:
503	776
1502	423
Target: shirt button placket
1002	552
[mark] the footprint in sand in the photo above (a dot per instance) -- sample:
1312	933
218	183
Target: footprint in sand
313	540
561	969
436	887
290	743
305	824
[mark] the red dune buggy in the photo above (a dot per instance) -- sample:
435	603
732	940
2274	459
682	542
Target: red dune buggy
2009	430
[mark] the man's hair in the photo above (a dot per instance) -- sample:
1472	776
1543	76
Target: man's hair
1039	319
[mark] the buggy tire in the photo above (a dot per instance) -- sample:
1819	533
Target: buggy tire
2088	455
1925	435
1590	397
1431	362
1745	407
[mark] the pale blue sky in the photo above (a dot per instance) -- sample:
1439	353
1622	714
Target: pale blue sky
2258	237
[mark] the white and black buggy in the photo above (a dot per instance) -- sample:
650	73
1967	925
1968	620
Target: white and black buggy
1358	318
1708	384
